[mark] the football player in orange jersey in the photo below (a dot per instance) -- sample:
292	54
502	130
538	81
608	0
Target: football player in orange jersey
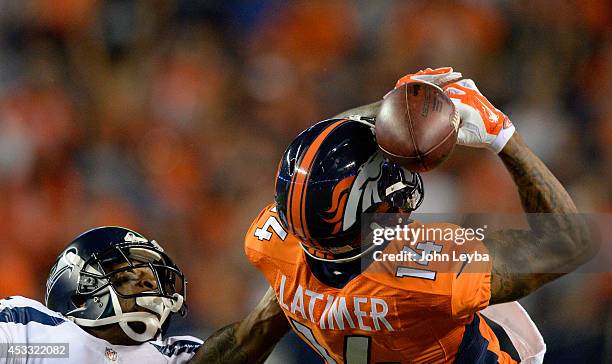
352	309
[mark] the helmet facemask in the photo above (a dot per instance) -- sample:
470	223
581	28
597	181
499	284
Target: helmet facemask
102	283
403	189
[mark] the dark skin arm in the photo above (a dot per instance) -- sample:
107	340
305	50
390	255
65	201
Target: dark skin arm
558	240
369	110
248	341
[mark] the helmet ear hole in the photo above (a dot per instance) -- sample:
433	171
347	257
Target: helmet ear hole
78	300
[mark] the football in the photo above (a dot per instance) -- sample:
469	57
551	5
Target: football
416	126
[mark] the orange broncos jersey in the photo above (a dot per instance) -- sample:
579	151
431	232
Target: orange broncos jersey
393	312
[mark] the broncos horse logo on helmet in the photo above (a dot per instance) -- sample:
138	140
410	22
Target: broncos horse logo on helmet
330	175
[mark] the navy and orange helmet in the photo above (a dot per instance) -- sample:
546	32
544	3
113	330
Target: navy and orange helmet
330	175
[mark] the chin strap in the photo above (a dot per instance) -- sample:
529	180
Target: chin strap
347	259
338	260
162	306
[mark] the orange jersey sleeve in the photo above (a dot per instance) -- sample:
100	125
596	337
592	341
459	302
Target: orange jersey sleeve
268	246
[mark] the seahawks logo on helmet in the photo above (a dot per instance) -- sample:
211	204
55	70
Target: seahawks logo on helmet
67	261
130	237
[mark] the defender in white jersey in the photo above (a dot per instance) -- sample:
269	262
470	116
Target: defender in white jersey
25	321
110	297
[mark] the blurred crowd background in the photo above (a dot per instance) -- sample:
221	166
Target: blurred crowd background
169	117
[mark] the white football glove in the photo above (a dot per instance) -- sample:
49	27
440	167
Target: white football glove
481	124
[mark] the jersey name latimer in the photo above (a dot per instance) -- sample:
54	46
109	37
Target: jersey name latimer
335	312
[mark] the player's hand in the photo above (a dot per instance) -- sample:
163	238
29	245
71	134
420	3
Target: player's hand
439	76
481	124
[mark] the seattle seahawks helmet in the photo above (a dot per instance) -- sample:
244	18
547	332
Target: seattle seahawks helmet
330	175
83	287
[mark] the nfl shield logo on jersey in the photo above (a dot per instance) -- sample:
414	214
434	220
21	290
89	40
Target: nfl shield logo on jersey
111	354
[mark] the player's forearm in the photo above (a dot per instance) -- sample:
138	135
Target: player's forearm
558	241
229	346
248	341
263	328
369	110
552	214
221	347
539	189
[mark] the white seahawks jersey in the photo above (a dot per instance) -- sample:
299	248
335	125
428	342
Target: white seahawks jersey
31	333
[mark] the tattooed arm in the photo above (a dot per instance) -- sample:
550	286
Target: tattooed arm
248	341
558	241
